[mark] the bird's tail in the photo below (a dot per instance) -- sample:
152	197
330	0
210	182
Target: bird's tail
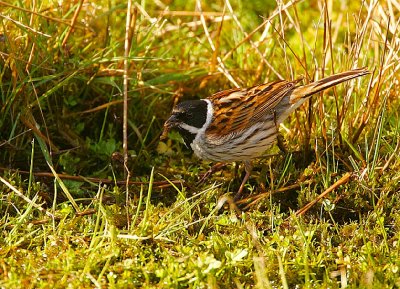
303	92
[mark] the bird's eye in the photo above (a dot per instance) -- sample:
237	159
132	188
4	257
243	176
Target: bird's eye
182	114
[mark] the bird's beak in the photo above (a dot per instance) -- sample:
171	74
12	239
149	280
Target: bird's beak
170	123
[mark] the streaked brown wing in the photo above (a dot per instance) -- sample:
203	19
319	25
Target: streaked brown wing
238	109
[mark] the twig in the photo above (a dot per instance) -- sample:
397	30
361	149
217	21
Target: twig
343	180
95	109
193	24
158	184
189	13
55	218
126	84
222	68
34	127
255	199
371	107
36	13
217	45
33	48
73	21
293	53
127	47
25	198
18	23
249	35
395	153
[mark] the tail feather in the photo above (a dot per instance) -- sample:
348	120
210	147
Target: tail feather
307	90
300	94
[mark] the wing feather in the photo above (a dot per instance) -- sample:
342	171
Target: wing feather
237	109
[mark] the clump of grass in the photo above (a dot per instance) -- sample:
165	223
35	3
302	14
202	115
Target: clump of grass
324	215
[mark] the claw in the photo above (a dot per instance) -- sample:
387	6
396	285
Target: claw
212	170
247	167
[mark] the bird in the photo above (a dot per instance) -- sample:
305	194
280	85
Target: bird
240	124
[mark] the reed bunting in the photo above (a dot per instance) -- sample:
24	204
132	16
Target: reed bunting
240	124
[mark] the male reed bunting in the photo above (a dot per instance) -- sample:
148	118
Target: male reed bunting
239	124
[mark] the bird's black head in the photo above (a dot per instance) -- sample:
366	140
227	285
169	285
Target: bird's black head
188	117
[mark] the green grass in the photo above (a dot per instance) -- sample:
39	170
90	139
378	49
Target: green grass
67	217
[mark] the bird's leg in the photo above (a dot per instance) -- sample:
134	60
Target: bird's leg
212	170
281	143
279	137
247	167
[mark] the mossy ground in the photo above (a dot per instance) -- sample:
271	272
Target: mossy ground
69	220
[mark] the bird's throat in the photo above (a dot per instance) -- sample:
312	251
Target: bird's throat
188	137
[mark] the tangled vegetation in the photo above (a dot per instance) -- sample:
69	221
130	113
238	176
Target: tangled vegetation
81	206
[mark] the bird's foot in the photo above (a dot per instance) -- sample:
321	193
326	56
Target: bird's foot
210	172
247	167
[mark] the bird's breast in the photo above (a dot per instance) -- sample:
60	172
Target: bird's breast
239	146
